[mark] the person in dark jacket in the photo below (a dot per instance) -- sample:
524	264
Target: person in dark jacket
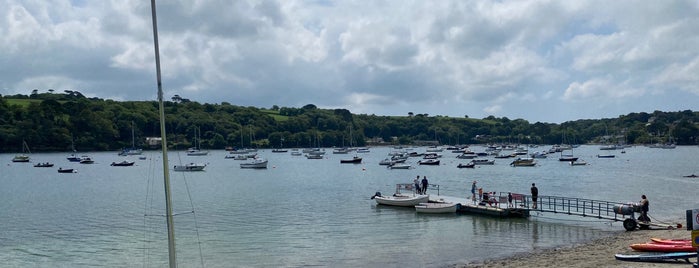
644	209
535	194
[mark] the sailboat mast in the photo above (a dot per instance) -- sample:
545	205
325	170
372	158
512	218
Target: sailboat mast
166	174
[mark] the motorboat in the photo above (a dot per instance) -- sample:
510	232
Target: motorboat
190	167
237	157
401	199
605	156
122	164
431	156
66	170
47	164
387	162
255	163
400	166
196	152
437	207
578	163
73	158
86	160
483	162
466	156
314	156
433	162
523	162
467	165
354	160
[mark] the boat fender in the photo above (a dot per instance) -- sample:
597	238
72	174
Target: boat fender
376	194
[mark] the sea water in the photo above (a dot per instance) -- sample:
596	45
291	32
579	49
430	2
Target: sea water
302	212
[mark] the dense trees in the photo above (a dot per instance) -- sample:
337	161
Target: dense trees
49	121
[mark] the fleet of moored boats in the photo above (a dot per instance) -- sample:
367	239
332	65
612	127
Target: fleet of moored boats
396	159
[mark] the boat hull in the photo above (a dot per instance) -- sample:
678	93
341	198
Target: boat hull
190	167
437	208
402	200
259	164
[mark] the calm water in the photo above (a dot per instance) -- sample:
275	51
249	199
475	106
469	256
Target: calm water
302	212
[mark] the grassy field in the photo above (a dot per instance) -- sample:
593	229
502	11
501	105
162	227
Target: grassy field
21	102
275	114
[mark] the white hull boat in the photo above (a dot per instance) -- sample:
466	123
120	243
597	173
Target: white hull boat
437	208
255	163
402	200
399	166
190	167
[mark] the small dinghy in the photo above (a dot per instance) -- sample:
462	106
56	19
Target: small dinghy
437	208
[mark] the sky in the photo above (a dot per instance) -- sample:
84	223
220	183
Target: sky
542	61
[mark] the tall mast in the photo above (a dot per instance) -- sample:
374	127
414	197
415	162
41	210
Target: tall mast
166	174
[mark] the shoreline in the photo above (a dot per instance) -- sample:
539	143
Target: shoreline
596	253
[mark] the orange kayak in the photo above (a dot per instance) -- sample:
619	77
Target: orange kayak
671	241
655	247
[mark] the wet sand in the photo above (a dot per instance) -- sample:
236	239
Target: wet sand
597	253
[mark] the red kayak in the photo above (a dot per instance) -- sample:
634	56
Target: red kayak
671	241
655	247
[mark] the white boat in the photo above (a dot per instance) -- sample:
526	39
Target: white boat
538	155
196	151
400	199
237	157
314	156
73	158
133	150
437	208
255	163
432	162
386	162
86	160
578	163
190	167
400	166
22	158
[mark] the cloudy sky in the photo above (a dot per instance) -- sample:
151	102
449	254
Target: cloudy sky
547	61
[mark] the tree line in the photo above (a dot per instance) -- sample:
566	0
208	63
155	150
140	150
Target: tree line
61	122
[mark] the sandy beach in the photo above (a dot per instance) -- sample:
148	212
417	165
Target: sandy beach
597	253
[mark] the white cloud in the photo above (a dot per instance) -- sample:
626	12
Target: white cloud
599	90
387	56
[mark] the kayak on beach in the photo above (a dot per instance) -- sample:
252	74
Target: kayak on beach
656	257
671	241
655	247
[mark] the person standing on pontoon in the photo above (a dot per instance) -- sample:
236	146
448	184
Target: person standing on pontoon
535	194
416	183
425	183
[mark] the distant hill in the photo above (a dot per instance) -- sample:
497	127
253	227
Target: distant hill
55	121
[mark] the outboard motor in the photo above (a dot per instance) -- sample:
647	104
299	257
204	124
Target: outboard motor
376	194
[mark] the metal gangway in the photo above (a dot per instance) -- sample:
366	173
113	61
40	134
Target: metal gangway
608	210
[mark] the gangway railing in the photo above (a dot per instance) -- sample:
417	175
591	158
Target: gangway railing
609	210
582	207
